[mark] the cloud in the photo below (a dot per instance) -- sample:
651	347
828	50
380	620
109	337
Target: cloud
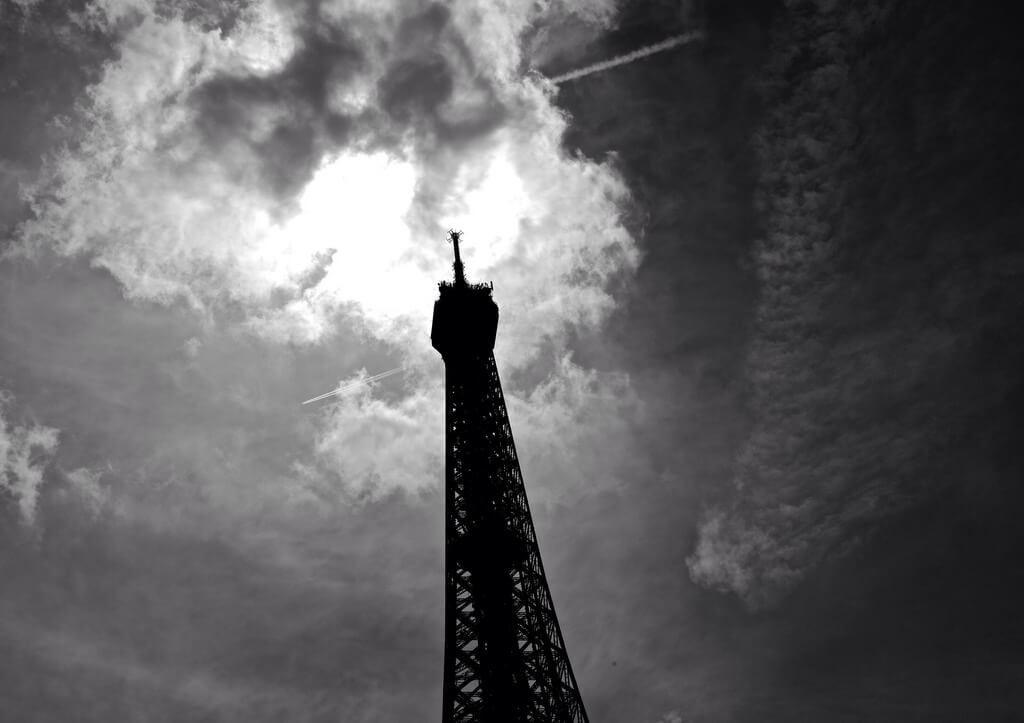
826	458
576	431
282	172
222	168
573	433
25	451
378	446
269	192
871	367
86	484
69	651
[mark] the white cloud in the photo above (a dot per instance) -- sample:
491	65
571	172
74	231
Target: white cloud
572	434
210	171
86	484
25	451
574	431
173	219
377	446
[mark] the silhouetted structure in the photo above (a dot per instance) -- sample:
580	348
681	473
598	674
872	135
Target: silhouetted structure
504	657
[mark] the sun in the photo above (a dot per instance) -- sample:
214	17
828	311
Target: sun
356	211
352	212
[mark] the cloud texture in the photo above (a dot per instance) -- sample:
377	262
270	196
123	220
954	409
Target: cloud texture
25	450
264	171
214	210
246	204
855	399
278	169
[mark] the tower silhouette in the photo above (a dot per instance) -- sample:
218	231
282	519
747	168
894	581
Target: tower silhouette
504	657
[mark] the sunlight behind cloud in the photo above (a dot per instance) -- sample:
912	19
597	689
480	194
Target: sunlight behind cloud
492	201
354	204
357	205
202	176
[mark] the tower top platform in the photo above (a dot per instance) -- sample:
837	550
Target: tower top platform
465	316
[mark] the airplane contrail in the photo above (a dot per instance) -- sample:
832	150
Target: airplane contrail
673	42
355	385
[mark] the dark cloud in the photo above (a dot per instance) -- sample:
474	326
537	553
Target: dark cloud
864	331
878	374
402	81
283	119
420	79
210	15
143	625
141	602
411	87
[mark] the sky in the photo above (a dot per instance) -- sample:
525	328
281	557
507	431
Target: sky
759	295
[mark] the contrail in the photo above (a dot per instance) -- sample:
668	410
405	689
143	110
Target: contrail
672	42
355	385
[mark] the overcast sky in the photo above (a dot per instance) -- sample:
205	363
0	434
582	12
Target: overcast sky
759	341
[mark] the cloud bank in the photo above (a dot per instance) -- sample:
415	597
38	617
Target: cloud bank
279	171
869	309
270	172
816	465
250	206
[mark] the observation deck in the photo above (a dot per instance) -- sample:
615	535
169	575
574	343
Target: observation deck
465	316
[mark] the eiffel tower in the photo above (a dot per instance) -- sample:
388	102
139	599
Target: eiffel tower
504	657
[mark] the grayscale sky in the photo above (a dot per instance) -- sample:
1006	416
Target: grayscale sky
759	341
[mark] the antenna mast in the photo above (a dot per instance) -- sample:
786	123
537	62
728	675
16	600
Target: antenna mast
460	275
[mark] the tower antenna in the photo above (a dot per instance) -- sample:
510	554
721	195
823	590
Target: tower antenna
460	275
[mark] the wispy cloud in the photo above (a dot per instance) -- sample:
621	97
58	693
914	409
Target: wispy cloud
870	368
25	451
822	462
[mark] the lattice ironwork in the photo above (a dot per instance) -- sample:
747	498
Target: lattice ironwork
505	659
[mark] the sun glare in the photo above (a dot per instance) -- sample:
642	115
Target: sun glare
490	207
358	205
